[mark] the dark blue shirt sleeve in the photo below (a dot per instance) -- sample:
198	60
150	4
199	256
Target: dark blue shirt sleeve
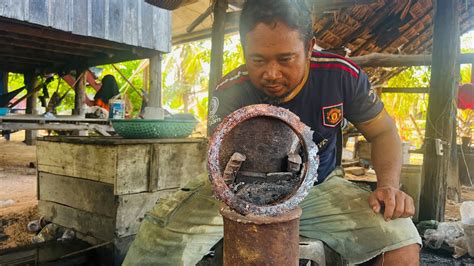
361	102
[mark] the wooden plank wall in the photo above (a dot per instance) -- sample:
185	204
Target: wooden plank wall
88	223
91	208
86	195
129	168
131	22
83	161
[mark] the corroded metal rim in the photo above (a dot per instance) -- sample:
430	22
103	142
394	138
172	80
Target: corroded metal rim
232	215
310	167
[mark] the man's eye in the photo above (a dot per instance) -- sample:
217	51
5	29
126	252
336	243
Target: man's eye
257	61
285	59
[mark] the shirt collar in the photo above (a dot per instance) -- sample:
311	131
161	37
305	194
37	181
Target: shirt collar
298	88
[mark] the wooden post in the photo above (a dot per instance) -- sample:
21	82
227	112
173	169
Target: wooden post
454	183
79	99
3	82
31	81
146	79
80	90
390	60
440	117
154	100
217	50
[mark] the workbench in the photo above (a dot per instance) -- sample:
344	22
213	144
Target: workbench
102	186
59	123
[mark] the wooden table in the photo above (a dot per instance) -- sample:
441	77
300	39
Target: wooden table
60	123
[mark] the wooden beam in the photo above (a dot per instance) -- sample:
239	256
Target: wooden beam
3	82
199	35
127	80
52	34
43	47
117	57
44	41
80	92
26	56
31	82
200	18
440	117
42	126
217	50
155	98
231	26
330	5
453	188
389	60
146	78
15	61
405	90
15	68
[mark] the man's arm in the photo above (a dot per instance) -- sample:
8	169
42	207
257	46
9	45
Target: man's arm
386	157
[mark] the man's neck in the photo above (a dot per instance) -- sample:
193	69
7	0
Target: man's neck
295	91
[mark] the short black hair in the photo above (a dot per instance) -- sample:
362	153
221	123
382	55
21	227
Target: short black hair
294	13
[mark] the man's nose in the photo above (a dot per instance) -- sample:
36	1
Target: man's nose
272	71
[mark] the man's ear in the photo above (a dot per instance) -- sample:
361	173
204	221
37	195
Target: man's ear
243	51
311	44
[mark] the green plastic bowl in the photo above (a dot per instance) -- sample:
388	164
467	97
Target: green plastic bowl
153	129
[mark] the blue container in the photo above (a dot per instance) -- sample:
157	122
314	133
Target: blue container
4	111
117	109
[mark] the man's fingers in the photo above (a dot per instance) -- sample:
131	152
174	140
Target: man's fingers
374	203
389	202
409	207
399	205
395	202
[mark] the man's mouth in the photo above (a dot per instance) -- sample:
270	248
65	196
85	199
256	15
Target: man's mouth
274	87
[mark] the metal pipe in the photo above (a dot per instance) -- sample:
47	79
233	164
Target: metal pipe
261	240
247	154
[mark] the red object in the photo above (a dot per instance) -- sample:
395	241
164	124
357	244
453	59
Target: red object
90	79
466	96
101	103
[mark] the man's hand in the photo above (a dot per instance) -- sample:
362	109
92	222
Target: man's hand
395	202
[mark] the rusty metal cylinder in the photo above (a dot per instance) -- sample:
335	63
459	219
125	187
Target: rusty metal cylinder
261	240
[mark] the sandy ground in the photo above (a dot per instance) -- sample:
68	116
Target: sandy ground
18	189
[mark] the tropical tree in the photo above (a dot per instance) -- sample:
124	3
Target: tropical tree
409	110
186	76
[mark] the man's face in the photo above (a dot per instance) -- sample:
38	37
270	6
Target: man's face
276	58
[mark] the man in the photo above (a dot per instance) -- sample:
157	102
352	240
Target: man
320	88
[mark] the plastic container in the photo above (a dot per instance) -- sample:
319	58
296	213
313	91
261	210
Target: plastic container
467	219
117	109
4	111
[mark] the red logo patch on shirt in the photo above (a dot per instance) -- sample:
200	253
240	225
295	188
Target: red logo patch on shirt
332	115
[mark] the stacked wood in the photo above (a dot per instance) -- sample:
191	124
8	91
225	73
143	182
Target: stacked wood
102	188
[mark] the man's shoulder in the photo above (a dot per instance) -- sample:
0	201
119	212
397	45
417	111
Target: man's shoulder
236	77
325	61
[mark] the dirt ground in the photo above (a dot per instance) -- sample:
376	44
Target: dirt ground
452	212
18	202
